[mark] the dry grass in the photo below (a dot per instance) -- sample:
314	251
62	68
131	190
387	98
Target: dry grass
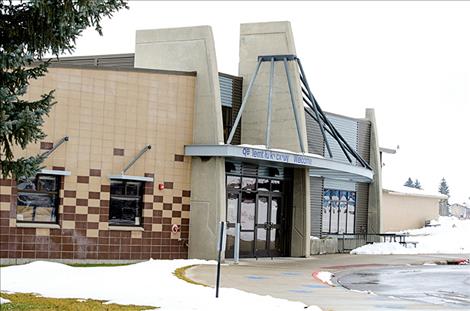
181	274
32	302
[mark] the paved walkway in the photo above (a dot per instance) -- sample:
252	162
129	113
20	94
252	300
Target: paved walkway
291	278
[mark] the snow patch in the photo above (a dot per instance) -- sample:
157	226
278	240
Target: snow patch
324	276
150	283
444	236
4	301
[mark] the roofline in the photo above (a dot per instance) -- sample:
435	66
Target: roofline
423	195
230	76
62	62
145	70
387	150
347	117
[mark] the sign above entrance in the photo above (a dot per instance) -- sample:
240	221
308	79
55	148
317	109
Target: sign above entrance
288	158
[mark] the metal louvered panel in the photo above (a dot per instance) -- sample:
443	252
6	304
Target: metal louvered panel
249	169
339	184
114	61
362	203
347	127
231	96
363	139
226	90
314	136
316	199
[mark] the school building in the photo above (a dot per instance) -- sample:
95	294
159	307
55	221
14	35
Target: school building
148	152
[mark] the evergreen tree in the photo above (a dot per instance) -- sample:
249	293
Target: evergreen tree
444	203
409	183
417	184
443	187
28	31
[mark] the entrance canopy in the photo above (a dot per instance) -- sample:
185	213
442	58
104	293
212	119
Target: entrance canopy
319	166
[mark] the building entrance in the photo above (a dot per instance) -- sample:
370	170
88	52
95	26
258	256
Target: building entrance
258	198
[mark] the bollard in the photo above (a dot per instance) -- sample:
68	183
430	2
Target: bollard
236	251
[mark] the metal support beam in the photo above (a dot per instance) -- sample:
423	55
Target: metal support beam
321	124
60	142
128	166
242	107
270	105
297	121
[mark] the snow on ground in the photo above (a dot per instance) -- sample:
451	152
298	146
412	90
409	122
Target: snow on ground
324	276
447	235
150	283
3	301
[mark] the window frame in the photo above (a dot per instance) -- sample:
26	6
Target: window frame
339	201
140	199
56	194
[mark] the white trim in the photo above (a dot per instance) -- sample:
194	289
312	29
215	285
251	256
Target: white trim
318	164
55	172
129	177
125	228
36	225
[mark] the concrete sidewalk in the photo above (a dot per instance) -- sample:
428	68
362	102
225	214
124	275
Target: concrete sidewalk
291	278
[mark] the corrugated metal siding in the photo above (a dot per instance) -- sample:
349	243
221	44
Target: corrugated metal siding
362	202
316	198
226	90
314	136
231	96
114	61
363	139
339	184
348	129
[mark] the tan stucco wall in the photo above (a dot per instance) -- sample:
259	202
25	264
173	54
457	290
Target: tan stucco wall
401	212
102	110
276	38
192	49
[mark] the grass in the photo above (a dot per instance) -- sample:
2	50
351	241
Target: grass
82	265
31	302
91	265
180	273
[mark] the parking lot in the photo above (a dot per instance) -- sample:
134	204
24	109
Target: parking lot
291	278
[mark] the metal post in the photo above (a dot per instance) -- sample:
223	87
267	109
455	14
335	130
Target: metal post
236	251
304	80
239	115
297	122
148	147
270	104
60	142
220	248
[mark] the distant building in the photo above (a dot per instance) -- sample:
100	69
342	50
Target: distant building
408	208
461	211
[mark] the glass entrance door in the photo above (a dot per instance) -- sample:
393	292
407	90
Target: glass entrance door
268	226
258	201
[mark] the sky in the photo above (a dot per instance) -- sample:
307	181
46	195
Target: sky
410	61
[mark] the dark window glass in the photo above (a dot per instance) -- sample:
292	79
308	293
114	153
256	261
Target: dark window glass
276	185
38	199
339	209
227	121
233	182
248	183
232	208
247	211
125	205
263	184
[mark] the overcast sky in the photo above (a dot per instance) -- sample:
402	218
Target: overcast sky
408	60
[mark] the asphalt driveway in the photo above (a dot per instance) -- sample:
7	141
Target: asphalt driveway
291	278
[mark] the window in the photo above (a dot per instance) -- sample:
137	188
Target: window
38	199
339	211
125	205
227	121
